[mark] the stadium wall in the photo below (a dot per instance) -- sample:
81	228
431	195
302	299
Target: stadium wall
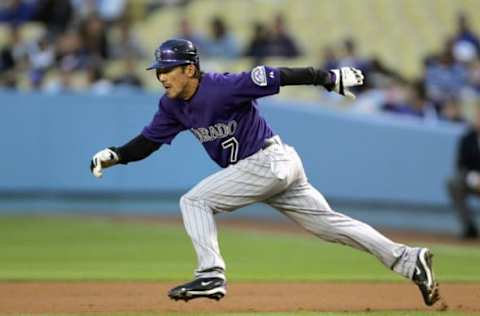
47	142
387	171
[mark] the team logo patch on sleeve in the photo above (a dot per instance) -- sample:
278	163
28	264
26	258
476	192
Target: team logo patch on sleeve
259	76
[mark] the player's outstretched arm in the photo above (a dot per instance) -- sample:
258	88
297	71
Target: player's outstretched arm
137	149
337	80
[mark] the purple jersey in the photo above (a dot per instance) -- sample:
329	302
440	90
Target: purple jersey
222	114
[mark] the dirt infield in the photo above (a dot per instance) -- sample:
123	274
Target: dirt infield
242	297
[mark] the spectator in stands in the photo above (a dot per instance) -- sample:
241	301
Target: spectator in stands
41	56
474	75
374	69
109	11
12	57
7	61
70	51
258	46
97	82
7	66
466	181
128	79
186	32
445	78
14	51
56	15
63	82
8	81
222	43
466	44
350	57
380	84
452	111
94	38
281	43
418	102
16	12
126	45
415	104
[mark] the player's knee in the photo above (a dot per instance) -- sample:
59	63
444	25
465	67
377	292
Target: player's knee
191	201
184	202
188	200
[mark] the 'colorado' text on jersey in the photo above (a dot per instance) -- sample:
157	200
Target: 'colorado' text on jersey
222	114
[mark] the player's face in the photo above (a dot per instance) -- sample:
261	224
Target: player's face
178	82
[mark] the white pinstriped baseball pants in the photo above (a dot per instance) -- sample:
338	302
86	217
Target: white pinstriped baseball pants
275	175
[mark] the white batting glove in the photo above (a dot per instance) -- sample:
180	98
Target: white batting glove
101	160
345	78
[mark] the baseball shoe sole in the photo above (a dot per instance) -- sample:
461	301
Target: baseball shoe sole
212	288
424	277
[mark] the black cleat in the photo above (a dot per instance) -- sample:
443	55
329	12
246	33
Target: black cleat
213	288
424	277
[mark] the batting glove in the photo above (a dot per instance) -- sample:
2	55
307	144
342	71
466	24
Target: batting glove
101	160
345	78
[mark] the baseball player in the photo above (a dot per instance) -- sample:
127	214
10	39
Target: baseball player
220	110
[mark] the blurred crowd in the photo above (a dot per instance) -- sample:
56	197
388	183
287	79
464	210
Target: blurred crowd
76	39
266	40
450	79
83	36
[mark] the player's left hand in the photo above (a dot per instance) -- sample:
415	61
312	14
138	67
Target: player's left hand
345	78
101	160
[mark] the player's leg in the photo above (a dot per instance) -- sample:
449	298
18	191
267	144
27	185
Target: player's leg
223	191
246	182
305	205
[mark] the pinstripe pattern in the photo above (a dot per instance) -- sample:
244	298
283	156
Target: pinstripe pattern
306	206
276	176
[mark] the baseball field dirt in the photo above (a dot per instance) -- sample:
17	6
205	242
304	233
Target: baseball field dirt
77	297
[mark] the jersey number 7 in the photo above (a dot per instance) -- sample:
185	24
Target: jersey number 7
232	144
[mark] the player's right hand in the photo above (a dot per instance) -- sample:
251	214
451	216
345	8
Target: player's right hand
101	160
345	78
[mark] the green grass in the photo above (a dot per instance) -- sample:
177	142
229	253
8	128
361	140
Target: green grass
76	248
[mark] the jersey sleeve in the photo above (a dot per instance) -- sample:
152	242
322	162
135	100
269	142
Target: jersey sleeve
164	126
262	81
